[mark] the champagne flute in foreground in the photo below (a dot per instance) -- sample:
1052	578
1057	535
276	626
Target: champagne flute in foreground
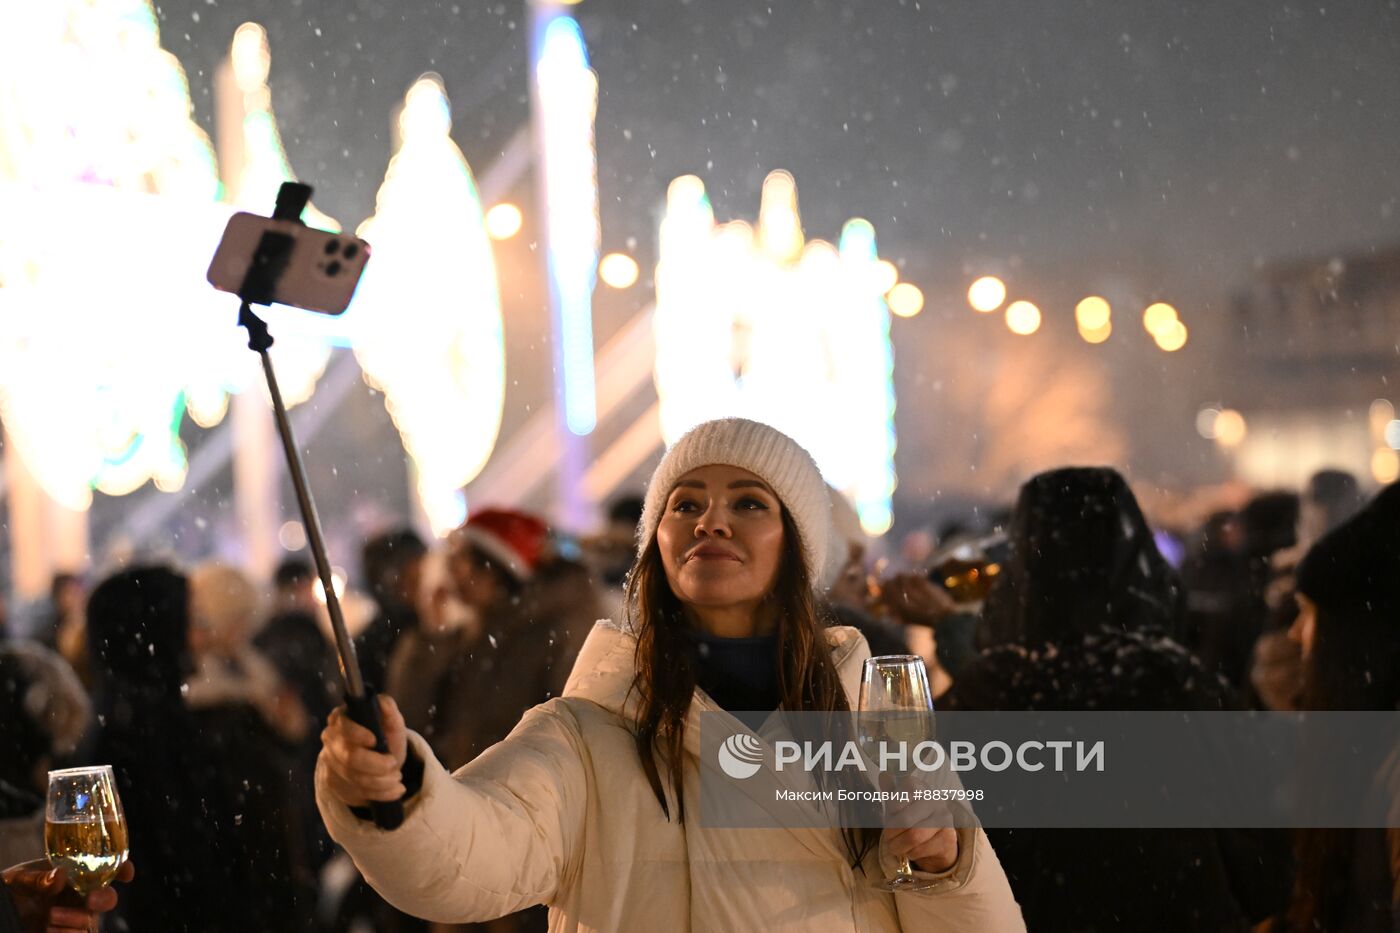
896	705
84	827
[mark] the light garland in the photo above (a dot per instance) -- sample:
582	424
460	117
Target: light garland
568	100
427	316
770	326
109	211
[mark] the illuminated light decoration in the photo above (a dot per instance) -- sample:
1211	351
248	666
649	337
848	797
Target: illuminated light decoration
1205	422
1096	335
1229	428
986	294
292	535
1022	318
301	352
1385	465
618	270
1172	337
568	100
744	327
1092	313
1392	435
1159	318
1381	414
96	136
427	315
1094	318
504	221
905	299
779	224
886	276
94	124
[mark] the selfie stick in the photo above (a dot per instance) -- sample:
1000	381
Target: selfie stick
269	259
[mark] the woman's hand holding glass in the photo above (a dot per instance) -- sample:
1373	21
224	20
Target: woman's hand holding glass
355	773
896	706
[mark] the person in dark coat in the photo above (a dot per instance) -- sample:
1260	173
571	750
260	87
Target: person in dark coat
292	641
180	819
393	568
1078	620
1348	627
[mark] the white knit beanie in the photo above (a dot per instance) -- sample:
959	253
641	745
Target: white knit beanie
767	453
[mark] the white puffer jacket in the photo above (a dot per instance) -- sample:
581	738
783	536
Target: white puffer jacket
561	813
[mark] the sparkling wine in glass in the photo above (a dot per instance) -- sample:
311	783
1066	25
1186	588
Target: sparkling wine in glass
84	827
896	706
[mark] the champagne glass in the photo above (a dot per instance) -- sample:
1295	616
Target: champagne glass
896	705
84	827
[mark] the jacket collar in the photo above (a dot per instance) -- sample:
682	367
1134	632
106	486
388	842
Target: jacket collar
606	665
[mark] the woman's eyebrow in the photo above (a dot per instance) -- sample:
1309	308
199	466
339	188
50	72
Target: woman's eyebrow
756	484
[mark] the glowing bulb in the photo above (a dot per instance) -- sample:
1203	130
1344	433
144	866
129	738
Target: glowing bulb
986	294
886	275
1171	338
685	189
1385	465
1096	335
1230	428
618	270
1158	318
1382	413
251	58
504	221
337	581
1022	318
906	300
292	536
1092	314
1205	422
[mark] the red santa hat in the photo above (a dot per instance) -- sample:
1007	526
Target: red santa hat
513	541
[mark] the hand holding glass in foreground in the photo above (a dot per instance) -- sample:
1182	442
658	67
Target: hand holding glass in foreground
46	902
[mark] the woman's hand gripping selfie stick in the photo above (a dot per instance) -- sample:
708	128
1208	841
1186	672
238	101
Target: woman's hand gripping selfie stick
268	261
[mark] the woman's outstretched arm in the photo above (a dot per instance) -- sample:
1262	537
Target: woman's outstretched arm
497	836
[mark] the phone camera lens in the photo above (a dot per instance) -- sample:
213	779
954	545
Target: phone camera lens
351	250
333	267
332	246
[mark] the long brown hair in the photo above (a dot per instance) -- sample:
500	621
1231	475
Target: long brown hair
665	678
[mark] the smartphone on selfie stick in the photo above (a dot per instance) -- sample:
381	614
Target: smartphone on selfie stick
279	259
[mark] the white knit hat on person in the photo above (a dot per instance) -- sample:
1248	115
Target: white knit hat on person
767	453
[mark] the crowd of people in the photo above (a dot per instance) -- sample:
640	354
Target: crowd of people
210	693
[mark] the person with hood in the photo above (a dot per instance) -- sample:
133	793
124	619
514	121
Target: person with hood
180	821
590	805
1348	627
1078	620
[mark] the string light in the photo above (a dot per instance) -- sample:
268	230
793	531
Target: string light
504	221
905	299
618	270
1022	318
986	294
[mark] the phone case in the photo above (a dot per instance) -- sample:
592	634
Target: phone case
320	275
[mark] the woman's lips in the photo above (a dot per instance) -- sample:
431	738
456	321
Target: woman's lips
712	555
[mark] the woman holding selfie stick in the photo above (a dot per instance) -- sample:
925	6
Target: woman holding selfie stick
591	805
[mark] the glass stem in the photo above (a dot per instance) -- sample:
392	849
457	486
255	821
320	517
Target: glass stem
904	871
